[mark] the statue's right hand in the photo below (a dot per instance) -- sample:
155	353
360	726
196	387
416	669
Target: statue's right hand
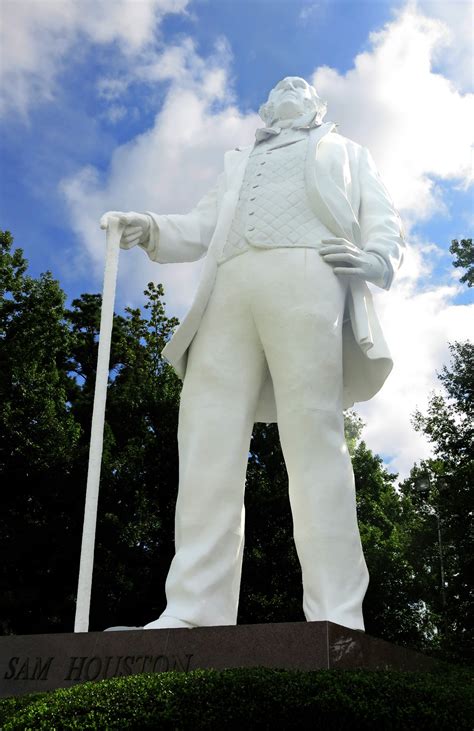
136	227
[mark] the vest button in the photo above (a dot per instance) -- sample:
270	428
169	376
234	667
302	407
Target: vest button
251	228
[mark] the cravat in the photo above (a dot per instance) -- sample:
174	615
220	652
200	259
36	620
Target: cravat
263	133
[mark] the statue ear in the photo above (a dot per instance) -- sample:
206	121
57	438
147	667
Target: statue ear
318	105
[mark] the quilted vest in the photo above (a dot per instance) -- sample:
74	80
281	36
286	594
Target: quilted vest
273	209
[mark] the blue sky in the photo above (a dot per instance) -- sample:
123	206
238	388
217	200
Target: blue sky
131	104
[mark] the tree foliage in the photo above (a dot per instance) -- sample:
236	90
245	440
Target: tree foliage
38	440
445	531
463	252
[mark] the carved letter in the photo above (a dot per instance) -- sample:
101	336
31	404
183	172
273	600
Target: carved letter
74	669
87	667
41	671
117	667
11	668
165	662
23	673
106	669
126	664
146	659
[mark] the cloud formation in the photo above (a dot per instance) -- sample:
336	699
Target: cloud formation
40	38
458	18
165	169
419	321
417	125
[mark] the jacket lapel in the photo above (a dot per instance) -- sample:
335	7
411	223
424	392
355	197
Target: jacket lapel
328	201
235	164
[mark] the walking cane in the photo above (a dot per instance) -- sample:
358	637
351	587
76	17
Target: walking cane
114	231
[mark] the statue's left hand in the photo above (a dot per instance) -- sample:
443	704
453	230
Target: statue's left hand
346	258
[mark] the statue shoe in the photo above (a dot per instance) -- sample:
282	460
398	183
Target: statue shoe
120	628
165	622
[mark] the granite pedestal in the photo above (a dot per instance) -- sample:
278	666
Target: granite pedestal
31	663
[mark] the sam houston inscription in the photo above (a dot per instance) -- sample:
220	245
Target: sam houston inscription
83	668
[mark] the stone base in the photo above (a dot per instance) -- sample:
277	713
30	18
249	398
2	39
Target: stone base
30	663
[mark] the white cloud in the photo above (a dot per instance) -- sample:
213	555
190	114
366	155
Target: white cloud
39	37
115	113
458	16
166	169
418	127
419	323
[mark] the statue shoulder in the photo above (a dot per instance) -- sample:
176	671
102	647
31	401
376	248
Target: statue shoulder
343	148
337	139
239	148
232	157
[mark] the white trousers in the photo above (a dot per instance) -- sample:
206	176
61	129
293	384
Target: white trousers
284	308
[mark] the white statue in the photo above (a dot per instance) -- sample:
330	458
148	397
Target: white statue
282	329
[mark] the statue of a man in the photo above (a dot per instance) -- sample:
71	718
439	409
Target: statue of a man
282	329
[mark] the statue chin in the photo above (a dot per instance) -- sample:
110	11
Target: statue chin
288	111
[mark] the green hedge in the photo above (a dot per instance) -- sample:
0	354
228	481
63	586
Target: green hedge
256	699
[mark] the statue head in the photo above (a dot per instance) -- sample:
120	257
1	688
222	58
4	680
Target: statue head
291	98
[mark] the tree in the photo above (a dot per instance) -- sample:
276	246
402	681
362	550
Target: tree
463	251
38	438
392	607
449	426
271	589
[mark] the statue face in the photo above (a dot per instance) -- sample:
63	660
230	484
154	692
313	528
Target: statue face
290	98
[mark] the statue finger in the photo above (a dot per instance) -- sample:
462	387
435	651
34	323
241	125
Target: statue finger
125	219
343	258
132	239
337	248
126	245
348	270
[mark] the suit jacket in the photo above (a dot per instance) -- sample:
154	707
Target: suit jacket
347	195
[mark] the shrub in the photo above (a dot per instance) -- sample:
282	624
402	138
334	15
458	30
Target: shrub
256	698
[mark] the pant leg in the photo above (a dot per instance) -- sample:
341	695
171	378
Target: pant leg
221	387
301	331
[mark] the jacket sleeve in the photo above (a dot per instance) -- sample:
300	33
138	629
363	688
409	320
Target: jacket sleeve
380	224
183	237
